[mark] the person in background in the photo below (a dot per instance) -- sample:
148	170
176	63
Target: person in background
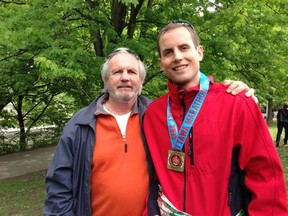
102	165
212	151
282	122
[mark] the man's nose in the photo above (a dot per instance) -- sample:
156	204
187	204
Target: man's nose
177	54
125	75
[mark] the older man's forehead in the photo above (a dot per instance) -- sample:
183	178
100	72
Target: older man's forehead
123	57
124	60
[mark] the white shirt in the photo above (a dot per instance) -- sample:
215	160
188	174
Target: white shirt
121	120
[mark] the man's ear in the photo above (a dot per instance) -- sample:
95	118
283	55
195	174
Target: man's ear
200	52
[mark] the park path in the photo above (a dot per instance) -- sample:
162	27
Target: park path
21	163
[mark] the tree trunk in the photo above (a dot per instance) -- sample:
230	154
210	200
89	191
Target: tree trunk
133	17
270	110
118	12
22	140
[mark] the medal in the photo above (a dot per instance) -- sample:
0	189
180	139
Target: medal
176	160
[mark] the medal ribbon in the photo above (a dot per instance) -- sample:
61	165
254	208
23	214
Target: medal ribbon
178	139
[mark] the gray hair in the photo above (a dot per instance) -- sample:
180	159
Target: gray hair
105	66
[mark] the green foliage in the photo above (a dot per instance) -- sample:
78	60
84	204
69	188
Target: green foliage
8	148
248	45
51	51
127	2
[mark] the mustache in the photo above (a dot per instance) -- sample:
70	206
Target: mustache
124	86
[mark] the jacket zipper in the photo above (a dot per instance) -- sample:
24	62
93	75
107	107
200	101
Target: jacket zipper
124	137
183	116
191	147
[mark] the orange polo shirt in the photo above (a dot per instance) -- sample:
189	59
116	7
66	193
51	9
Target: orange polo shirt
119	176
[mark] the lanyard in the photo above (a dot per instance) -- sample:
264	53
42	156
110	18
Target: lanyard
178	139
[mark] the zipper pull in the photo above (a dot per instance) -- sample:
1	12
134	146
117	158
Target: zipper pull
190	149
125	145
190	146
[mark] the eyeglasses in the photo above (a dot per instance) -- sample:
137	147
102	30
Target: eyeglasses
183	23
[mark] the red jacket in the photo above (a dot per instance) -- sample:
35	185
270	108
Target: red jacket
224	123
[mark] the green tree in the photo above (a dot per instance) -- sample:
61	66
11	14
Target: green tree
51	51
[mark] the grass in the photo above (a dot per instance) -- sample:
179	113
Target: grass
282	150
25	195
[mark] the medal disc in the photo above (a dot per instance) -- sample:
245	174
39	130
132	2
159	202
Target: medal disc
176	160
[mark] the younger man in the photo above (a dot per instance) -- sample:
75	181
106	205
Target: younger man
212	151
